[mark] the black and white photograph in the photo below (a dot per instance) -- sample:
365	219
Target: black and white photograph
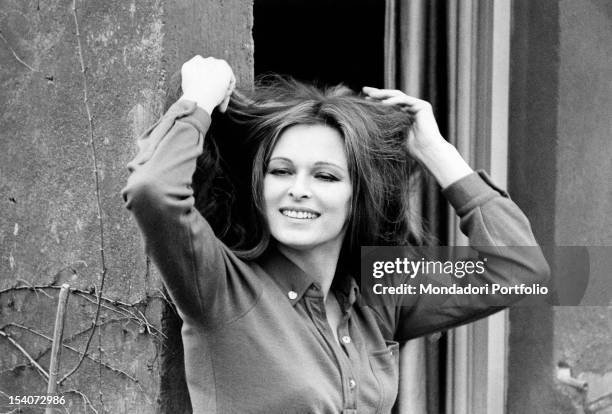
306	206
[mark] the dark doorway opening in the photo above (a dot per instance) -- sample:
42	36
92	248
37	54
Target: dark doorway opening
321	41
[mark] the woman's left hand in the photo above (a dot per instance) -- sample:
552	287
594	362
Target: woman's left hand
424	135
425	143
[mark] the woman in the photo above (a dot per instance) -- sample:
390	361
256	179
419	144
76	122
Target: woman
278	325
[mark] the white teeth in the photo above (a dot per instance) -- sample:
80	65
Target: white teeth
299	214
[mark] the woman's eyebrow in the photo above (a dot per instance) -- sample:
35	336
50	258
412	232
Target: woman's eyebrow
329	163
280	159
316	164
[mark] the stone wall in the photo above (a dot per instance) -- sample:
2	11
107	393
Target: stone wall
78	85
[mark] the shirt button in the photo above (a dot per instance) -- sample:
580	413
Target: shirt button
292	295
346	339
352	384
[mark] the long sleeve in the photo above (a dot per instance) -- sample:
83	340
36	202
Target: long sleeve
194	264
498	231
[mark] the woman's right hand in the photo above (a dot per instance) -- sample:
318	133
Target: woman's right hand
207	81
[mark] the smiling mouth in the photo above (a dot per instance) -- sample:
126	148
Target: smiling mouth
299	214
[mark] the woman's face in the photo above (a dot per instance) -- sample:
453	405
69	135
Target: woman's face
307	188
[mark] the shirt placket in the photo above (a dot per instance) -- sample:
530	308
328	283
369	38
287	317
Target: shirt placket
316	307
346	341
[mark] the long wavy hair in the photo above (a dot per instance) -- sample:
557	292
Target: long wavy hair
228	182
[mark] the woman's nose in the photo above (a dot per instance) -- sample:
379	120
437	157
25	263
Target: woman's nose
299	189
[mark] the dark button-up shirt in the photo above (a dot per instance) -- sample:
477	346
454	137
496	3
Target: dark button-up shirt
255	334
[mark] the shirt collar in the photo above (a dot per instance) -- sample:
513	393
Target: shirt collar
288	276
295	282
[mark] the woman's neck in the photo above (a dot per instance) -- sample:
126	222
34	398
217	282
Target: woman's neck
319	263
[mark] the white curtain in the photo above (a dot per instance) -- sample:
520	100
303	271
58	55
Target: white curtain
429	51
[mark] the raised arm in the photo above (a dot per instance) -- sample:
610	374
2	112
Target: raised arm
425	142
158	192
495	226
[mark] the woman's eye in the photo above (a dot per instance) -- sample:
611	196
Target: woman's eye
279	171
326	177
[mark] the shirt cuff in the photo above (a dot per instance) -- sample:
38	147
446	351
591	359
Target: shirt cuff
189	111
472	191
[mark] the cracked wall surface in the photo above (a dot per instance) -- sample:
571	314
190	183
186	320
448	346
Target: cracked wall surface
79	80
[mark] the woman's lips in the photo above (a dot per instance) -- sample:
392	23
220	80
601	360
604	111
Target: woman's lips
299	213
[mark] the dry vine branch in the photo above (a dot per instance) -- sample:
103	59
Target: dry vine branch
28	284
77	291
97	193
45	375
86	401
16	344
129	314
40	334
15	53
122	308
100	324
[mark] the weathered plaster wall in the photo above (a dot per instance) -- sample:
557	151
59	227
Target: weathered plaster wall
58	169
560	169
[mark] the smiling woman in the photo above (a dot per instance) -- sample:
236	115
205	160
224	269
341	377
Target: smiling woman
307	189
277	324
351	140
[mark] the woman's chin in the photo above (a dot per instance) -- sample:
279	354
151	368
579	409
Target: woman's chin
307	244
300	245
